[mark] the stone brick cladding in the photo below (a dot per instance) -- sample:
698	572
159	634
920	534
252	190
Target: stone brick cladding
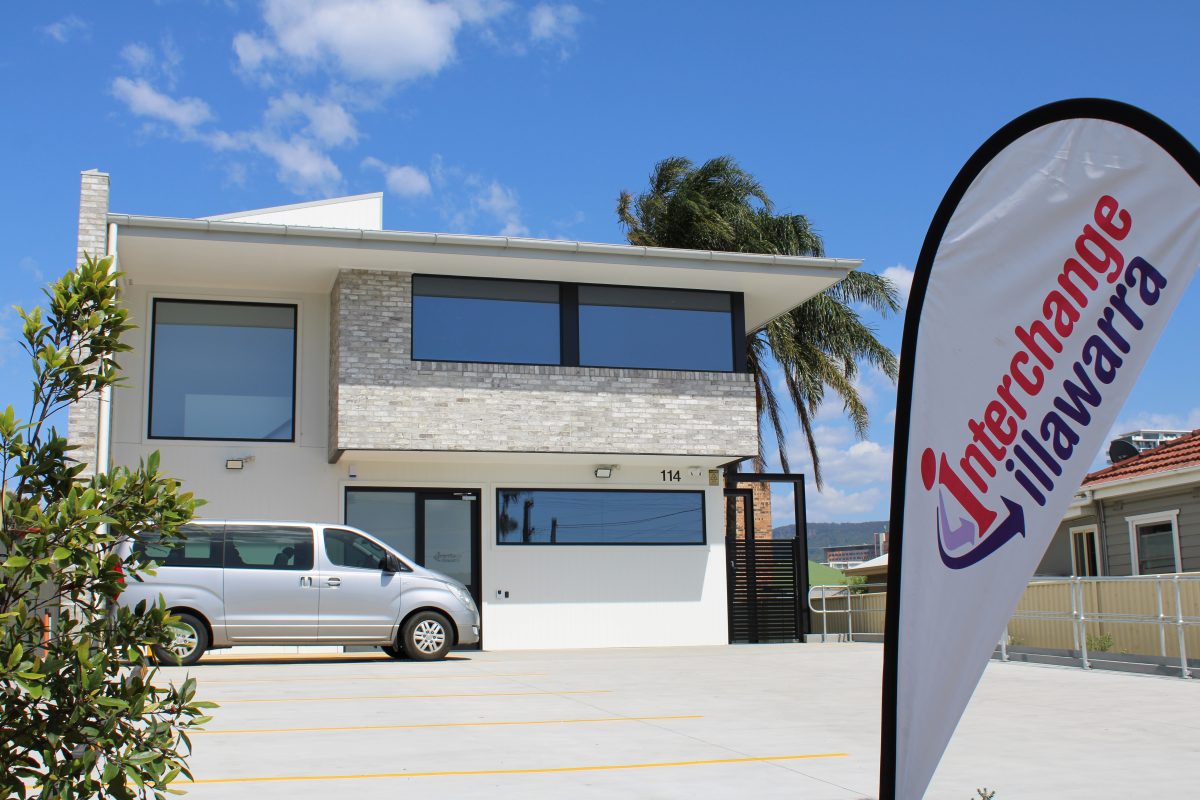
83	418
383	400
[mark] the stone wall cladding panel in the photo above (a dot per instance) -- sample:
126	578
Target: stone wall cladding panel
83	417
384	400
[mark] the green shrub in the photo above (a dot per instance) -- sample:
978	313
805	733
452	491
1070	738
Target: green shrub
80	715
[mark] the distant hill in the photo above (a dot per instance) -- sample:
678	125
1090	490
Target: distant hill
832	534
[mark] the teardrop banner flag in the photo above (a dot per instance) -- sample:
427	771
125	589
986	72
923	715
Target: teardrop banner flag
1050	269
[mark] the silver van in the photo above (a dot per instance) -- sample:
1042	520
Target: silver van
290	583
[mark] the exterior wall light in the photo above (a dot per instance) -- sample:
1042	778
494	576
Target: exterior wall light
604	472
238	463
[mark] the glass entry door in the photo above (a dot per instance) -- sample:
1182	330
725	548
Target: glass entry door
437	528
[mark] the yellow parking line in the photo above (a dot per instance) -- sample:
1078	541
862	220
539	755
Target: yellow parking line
357	678
450	725
542	771
402	697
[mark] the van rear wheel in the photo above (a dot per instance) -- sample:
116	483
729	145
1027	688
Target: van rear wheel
427	636
191	641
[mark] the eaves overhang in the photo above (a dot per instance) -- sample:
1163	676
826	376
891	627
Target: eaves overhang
222	255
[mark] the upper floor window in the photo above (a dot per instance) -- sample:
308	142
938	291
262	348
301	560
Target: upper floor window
536	322
468	319
221	370
621	326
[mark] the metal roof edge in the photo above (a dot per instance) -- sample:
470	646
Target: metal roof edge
215	225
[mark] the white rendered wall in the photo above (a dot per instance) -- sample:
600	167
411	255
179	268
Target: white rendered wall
286	480
558	596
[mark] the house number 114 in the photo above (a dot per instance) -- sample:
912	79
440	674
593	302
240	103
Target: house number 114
670	476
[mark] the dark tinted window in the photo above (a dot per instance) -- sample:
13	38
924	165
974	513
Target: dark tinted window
655	328
347	549
202	548
268	547
464	319
552	516
222	371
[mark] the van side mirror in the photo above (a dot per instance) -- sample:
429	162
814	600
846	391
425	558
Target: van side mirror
392	564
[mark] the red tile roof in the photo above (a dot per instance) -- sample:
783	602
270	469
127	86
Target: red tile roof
1177	454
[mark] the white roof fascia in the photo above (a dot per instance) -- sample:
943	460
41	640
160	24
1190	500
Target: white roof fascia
1145	483
221	225
742	268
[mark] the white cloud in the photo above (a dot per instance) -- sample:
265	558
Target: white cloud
252	51
501	203
327	121
404	179
836	505
147	62
553	23
235	175
299	163
138	56
902	276
66	28
144	100
386	41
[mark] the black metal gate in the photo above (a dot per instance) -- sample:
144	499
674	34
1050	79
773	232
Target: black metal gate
768	578
764	605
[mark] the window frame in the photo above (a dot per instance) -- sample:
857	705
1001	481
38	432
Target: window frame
1154	518
152	332
568	320
560	489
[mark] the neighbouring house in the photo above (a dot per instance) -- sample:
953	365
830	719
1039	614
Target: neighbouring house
874	572
1140	516
544	420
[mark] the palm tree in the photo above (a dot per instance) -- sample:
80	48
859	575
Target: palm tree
819	345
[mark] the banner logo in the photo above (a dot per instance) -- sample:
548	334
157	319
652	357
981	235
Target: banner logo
1030	428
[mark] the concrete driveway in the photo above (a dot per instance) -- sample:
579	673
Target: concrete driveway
796	721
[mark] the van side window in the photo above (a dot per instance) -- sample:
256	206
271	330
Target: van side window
201	548
346	549
279	547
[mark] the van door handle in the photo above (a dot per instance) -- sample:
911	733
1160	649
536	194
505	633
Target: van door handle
334	582
305	581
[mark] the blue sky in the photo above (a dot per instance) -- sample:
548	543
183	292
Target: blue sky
487	116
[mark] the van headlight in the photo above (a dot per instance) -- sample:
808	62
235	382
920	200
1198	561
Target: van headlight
462	595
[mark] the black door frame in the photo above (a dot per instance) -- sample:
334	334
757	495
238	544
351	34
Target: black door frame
732	479
421	494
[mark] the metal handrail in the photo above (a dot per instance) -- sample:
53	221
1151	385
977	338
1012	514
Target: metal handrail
1078	616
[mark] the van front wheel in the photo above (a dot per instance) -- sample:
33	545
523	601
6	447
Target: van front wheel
393	651
427	636
191	640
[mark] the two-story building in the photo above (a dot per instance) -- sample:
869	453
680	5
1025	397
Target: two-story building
544	420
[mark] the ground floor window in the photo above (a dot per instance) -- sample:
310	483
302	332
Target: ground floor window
599	516
1154	543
